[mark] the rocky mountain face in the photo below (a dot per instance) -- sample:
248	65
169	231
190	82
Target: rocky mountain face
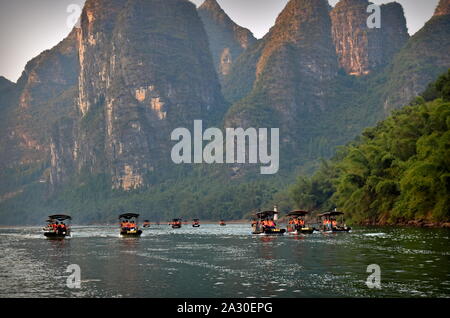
45	93
5	86
227	40
145	69
443	8
420	61
7	97
362	49
294	65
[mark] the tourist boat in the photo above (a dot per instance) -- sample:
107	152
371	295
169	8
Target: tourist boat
195	223
58	227
146	223
330	224
176	223
264	224
129	226
297	224
222	223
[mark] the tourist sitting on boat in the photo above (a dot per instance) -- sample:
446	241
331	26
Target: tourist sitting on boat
333	223
61	228
327	224
270	224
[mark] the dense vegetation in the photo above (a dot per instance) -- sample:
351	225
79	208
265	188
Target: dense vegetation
396	171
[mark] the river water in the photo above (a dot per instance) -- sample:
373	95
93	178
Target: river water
221	262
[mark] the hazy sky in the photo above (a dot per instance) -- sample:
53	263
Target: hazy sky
28	27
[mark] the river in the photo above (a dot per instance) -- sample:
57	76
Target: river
222	262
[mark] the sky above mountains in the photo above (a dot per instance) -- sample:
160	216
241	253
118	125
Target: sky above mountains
28	27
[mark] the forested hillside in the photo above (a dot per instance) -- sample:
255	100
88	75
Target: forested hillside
396	172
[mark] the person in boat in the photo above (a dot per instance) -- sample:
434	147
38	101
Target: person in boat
255	225
334	223
126	225
269	224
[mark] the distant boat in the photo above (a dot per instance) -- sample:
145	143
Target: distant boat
195	223
58	226
330	223
264	224
146	223
297	224
129	226
176	223
222	223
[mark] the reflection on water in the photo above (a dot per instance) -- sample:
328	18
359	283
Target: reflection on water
214	261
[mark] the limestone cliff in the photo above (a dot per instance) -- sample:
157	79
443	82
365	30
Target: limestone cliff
295	61
45	93
420	61
443	8
145	70
362	49
227	40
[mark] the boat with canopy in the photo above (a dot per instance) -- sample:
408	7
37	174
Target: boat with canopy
129	225
58	226
264	224
195	223
331	224
176	223
297	223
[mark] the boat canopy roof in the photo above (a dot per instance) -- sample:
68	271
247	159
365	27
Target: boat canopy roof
333	213
298	213
195	219
128	216
176	219
265	214
60	217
